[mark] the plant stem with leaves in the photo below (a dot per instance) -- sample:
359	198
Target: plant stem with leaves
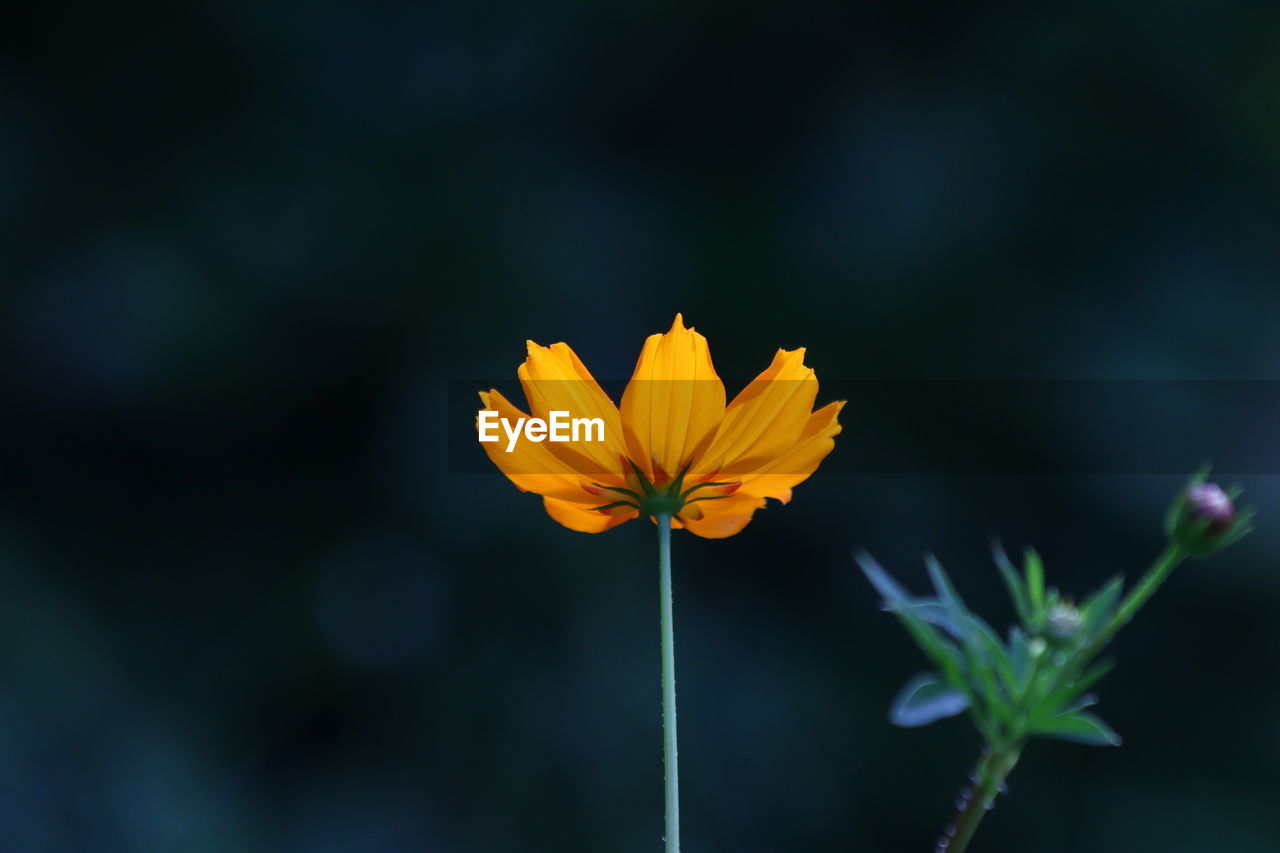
1035	682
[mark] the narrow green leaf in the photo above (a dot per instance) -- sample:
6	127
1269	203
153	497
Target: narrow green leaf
1034	571
925	699
1017	589
995	652
1080	727
889	589
947	595
1095	612
1019	653
990	657
1088	700
1060	697
935	613
937	648
986	655
980	659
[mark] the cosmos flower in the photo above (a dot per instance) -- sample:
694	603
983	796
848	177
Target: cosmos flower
673	447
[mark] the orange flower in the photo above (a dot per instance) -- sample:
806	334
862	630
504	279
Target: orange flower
673	447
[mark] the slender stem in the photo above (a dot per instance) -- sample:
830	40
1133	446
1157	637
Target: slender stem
671	761
976	800
1168	560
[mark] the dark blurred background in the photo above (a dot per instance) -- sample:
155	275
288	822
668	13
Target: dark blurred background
246	606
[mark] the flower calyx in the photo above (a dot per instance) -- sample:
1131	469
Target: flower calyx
662	495
1204	518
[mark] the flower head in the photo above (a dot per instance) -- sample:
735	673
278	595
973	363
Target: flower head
673	446
1064	622
1204	519
1209	502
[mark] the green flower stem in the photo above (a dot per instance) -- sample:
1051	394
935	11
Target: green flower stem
988	780
1168	560
668	686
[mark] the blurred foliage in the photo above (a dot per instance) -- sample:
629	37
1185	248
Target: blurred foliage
1036	683
247	246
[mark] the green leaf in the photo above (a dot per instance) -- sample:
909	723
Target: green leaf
937	648
1017	589
890	590
947	595
925	699
1034	570
1063	695
984	651
1086	701
935	613
940	651
1079	727
965	665
1019	653
1095	612
950	603
994	652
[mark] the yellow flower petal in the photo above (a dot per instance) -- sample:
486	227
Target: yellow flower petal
776	478
673	403
577	517
554	379
766	418
531	465
723	518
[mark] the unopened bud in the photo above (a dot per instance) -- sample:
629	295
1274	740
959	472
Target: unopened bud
1209	502
1063	624
1204	519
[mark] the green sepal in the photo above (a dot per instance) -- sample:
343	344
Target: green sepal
1192	533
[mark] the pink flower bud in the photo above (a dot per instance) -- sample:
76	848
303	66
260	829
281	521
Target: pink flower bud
1208	501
